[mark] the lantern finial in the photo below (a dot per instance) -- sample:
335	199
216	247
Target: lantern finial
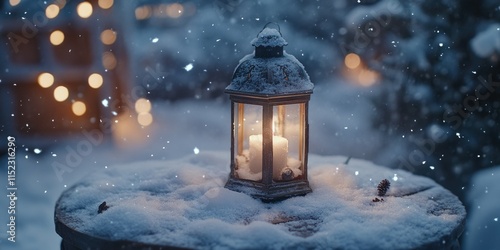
269	42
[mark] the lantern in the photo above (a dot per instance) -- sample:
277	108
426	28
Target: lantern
269	93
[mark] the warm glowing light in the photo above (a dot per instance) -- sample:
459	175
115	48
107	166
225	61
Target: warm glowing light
127	130
105	4
84	9
143	12
61	93
108	60
367	77
78	108
142	105
52	11
14	2
45	80
61	3
352	61
108	37
56	37
95	80
145	119
175	10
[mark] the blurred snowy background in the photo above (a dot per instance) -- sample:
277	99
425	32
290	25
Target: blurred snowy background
89	84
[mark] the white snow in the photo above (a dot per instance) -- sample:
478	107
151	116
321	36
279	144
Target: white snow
482	222
188	67
269	37
277	75
183	203
487	42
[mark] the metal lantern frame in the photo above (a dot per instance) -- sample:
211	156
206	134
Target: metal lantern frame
275	84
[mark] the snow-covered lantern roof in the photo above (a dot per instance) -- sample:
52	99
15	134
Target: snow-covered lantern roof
270	93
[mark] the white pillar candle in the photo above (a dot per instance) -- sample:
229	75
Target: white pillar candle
255	156
280	154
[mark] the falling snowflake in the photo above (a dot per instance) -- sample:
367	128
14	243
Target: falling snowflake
188	67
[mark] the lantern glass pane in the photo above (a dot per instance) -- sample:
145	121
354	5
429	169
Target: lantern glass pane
248	147
288	142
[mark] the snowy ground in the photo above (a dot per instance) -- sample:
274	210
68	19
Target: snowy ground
182	202
339	125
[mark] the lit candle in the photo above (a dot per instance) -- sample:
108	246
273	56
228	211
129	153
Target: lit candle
280	154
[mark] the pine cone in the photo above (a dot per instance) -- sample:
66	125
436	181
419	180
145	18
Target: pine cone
383	186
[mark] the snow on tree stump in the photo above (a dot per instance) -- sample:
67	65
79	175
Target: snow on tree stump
183	204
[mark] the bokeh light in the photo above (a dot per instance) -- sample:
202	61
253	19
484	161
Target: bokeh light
79	108
145	119
95	80
52	11
56	37
84	9
367	77
143	12
45	80
352	61
14	2
108	37
108	60
105	4
175	10
60	3
142	105
61	93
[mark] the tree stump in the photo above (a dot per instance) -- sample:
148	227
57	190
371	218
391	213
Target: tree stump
182	204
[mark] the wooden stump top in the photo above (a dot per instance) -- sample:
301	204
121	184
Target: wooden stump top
182	204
